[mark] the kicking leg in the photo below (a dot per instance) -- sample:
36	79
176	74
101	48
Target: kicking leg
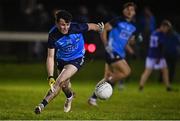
67	72
107	75
113	73
120	70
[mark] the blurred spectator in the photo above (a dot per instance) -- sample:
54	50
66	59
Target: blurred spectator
82	14
103	14
41	18
41	24
37	20
171	53
1	17
146	24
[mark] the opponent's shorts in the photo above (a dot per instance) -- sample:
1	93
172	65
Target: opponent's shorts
112	57
76	62
156	64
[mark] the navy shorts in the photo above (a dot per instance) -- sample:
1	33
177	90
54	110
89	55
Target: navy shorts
112	57
76	62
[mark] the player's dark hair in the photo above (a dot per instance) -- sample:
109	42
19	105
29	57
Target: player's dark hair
166	23
63	14
129	4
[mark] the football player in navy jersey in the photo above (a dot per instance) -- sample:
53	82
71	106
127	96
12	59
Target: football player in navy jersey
116	35
66	45
155	57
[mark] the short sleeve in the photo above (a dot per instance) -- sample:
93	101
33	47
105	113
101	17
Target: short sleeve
51	41
114	21
78	27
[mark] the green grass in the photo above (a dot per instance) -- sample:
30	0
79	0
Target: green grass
22	87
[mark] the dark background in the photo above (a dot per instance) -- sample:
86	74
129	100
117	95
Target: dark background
12	16
26	16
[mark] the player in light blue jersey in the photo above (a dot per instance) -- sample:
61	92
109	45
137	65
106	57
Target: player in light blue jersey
66	45
116	35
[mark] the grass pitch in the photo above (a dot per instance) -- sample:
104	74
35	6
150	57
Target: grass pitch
22	87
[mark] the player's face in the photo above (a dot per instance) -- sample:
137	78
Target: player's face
129	12
165	29
63	26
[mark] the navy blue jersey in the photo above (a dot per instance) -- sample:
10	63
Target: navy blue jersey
156	42
171	44
120	34
68	46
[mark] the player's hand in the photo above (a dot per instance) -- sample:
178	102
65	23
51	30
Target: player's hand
101	27
51	82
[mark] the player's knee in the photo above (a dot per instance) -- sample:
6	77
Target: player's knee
129	72
64	84
126	73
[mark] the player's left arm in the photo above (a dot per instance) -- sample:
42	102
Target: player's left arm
129	45
84	27
136	36
132	40
96	27
129	49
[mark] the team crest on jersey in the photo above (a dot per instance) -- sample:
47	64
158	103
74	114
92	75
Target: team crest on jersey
126	30
69	41
125	34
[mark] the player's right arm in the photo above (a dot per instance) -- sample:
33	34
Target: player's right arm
50	54
50	67
108	26
50	62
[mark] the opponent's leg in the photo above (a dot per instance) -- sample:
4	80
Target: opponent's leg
144	78
166	78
